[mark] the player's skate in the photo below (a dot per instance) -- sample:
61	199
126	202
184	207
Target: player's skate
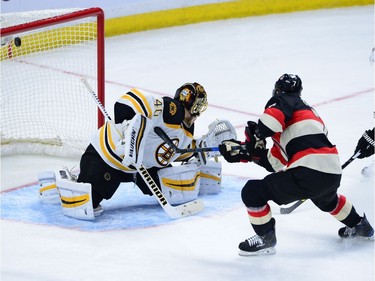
362	229
259	245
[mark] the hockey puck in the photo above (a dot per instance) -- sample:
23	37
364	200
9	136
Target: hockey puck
17	41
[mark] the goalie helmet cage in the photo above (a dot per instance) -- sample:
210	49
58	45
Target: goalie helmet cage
44	107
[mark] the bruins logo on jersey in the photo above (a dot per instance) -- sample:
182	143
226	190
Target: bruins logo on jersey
172	108
164	153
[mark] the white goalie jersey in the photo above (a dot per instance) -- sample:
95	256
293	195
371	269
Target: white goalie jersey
134	140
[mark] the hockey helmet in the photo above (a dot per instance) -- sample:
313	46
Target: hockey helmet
288	84
193	97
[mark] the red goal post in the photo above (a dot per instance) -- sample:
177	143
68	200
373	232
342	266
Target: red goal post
44	106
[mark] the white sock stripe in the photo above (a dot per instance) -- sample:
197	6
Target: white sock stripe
259	216
342	211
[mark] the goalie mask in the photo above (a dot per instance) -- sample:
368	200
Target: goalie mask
193	97
288	84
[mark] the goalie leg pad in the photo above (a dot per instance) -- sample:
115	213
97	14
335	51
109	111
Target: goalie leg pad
210	178
180	184
76	199
48	193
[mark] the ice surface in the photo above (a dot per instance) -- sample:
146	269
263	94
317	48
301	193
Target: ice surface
237	61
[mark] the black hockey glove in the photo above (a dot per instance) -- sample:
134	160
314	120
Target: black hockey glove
366	144
232	155
253	140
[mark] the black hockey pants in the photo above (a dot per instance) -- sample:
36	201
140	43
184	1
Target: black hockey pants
104	179
289	186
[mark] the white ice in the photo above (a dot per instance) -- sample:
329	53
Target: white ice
237	61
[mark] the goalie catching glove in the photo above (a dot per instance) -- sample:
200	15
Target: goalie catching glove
218	131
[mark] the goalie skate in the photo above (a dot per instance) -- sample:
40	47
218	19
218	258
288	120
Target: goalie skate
67	174
98	211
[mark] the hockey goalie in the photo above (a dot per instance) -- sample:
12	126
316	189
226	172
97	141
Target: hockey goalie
119	147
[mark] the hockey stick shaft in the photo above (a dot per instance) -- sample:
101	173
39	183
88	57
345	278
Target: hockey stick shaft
174	212
95	97
159	131
350	160
290	209
99	104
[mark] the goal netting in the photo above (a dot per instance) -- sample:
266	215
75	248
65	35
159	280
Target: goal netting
44	106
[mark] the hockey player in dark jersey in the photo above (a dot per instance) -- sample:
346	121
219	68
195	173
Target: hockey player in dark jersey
303	162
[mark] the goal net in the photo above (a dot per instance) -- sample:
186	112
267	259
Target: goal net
45	109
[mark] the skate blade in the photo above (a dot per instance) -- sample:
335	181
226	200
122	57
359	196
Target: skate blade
264	252
358	238
371	238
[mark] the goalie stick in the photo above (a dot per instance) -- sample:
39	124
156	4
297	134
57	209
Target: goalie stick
175	212
159	131
288	210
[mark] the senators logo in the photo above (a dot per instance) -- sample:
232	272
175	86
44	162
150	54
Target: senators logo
172	108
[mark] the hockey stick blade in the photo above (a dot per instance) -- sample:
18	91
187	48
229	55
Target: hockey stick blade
159	131
175	212
288	210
